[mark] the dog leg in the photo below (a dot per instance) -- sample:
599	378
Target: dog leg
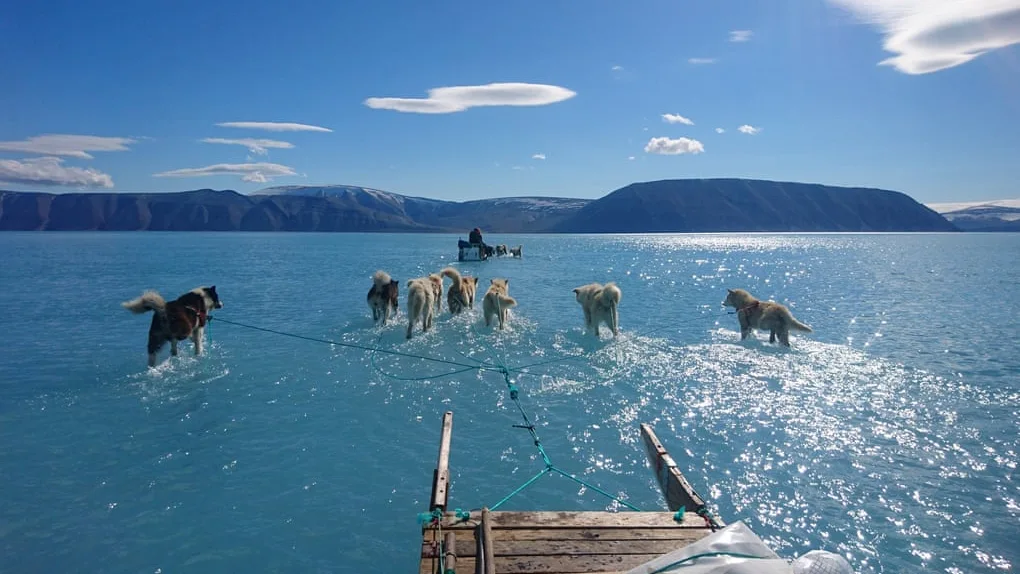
772	336
410	326
196	337
744	332
375	314
784	337
156	342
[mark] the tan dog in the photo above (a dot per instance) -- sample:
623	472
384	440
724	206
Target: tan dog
763	315
600	304
421	301
497	300
462	293
517	251
437	290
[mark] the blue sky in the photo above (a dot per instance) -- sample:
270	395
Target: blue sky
120	96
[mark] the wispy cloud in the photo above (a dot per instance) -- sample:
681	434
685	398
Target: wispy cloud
932	35
740	35
459	98
251	172
720	131
67	145
617	68
679	146
701	61
256	146
677	119
274	126
50	171
630	158
538	156
749	130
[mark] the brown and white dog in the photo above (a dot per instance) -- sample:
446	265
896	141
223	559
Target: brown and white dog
600	304
517	251
501	250
462	293
421	301
382	297
496	301
176	320
763	315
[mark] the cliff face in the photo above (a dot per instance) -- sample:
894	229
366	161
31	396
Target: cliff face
717	205
661	206
202	210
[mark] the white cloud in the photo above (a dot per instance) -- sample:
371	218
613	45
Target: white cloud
667	146
50	171
701	61
617	68
932	35
274	126
630	158
538	156
255	146
720	131
67	145
740	35
677	119
459	98
749	130
251	172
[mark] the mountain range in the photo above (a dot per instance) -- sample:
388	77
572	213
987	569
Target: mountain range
1000	215
685	205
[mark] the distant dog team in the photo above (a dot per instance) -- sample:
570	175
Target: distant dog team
186	316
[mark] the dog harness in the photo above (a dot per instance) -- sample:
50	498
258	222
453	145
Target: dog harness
747	310
201	314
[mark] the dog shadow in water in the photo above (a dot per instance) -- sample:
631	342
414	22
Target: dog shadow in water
758	343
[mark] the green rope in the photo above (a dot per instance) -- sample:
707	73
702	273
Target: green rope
497	364
549	466
517	490
669	567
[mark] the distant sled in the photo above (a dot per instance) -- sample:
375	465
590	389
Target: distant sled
471	251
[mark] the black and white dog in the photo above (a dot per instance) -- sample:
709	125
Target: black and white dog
176	320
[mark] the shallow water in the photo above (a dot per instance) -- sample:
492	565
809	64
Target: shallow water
889	435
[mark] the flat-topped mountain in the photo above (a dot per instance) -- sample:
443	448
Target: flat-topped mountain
686	205
719	205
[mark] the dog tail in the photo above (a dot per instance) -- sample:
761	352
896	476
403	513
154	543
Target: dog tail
506	301
797	325
149	301
453	275
381	279
611	294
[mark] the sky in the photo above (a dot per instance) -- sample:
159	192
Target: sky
464	99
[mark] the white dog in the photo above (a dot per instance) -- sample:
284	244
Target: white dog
497	300
600	303
421	301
